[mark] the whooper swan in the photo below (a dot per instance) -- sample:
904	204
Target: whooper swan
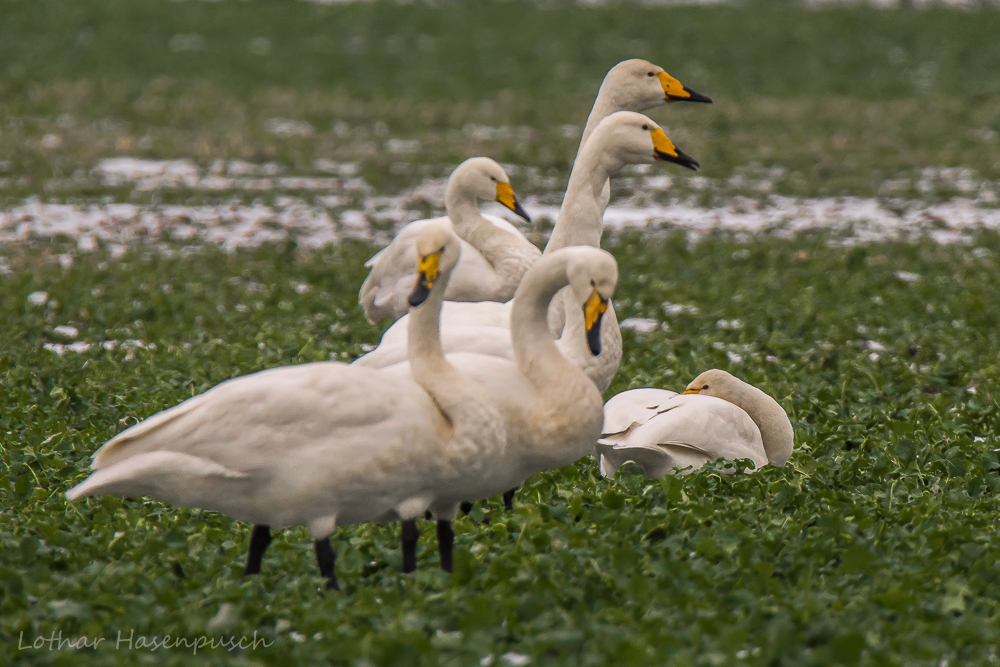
552	411
717	416
494	254
321	444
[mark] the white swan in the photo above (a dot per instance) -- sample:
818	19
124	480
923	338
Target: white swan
552	411
494	257
717	416
622	138
631	85
322	444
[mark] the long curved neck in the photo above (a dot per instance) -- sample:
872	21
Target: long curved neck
607	103
509	256
775	429
451	390
581	216
535	349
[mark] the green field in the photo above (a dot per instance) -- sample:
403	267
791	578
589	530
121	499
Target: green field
878	540
876	545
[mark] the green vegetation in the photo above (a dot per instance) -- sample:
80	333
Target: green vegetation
876	546
839	99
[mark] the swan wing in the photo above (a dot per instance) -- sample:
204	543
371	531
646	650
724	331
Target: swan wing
394	271
256	420
688	430
632	408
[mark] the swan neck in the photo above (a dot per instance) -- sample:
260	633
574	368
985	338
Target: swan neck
454	394
581	216
775	429
605	105
535	349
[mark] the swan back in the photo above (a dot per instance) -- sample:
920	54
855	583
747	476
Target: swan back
686	431
775	428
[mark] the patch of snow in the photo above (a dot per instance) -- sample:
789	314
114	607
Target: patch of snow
639	324
38	298
284	127
67	331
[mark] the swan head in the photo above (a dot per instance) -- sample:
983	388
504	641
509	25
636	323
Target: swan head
775	429
483	178
592	275
715	382
639	84
438	248
635	139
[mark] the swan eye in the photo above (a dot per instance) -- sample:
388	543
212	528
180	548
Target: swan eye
704	388
442	249
649	74
645	127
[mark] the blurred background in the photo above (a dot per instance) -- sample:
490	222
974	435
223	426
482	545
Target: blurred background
331	105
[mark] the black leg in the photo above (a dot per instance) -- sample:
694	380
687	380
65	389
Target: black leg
466	507
410	536
446	541
326	557
259	539
508	499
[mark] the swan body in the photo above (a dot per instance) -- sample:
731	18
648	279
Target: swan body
494	254
622	138
717	416
322	444
552	411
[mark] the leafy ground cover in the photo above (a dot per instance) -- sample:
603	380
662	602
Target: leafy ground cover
875	546
820	102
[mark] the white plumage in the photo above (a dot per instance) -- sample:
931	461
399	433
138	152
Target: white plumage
494	256
631	85
718	416
322	444
620	139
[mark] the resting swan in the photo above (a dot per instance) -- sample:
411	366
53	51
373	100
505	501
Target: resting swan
322	444
552	411
717	416
494	256
620	139
631	85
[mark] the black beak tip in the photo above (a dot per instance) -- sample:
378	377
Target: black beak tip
686	160
518	209
682	158
696	97
419	294
594	338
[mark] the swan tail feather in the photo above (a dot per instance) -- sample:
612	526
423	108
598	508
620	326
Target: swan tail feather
169	476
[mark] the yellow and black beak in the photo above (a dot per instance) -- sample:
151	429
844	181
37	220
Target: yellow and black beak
675	91
664	149
691	391
593	313
427	273
505	195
